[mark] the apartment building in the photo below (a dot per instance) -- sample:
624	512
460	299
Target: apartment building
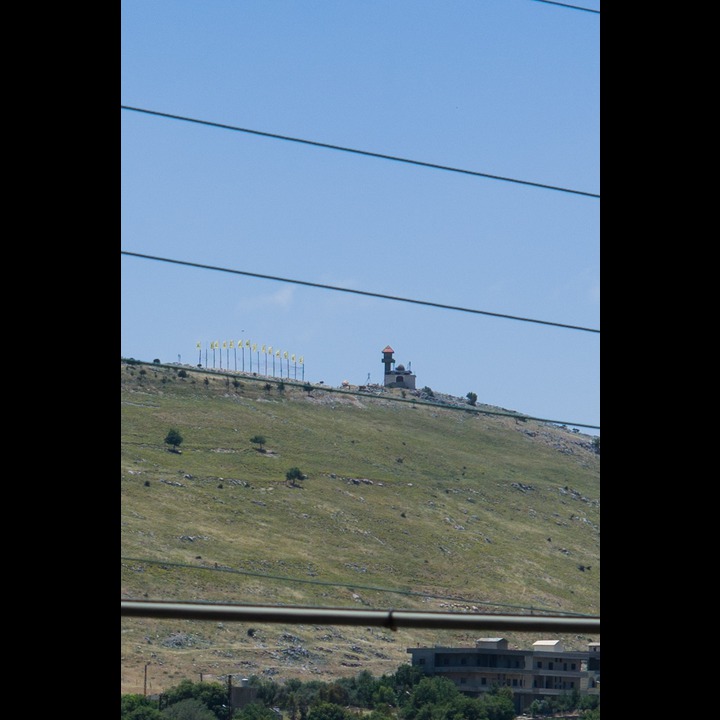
545	671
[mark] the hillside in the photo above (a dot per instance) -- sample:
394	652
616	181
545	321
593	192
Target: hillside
405	505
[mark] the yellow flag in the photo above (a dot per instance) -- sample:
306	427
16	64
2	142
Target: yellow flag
300	359
277	354
231	343
292	357
285	354
247	343
264	349
270	349
225	344
254	347
198	346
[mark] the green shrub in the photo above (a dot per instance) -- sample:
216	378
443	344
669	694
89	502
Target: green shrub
293	475
173	438
258	440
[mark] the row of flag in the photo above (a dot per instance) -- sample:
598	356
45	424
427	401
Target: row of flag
266	349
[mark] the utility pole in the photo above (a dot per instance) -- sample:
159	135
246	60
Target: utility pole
145	682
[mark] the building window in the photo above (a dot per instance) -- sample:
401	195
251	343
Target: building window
539	665
514	682
483	681
421	661
463	681
572	666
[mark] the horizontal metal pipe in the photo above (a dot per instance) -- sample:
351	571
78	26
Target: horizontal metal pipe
392	619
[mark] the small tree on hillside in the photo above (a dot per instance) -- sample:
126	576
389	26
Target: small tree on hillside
258	440
173	438
293	475
471	398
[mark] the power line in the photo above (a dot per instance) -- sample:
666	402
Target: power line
358	152
471	409
392	619
572	7
357	292
351	586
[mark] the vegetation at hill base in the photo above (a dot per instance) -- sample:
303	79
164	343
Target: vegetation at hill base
373	499
404	695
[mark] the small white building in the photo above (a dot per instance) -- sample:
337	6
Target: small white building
555	646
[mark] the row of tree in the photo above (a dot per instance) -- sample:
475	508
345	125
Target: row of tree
292	476
405	695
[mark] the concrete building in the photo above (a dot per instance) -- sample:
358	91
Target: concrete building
398	377
546	671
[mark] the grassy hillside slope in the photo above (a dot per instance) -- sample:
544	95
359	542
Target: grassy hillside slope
405	505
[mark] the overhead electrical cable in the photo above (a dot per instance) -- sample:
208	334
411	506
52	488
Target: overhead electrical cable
351	586
357	292
571	7
465	408
358	152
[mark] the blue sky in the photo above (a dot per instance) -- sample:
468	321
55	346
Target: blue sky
506	88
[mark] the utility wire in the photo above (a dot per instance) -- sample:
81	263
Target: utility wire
572	7
472	409
358	152
357	292
351	586
392	619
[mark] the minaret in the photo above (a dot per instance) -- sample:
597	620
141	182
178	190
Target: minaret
388	359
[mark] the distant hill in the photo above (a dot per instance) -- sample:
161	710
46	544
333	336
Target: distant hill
410	501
